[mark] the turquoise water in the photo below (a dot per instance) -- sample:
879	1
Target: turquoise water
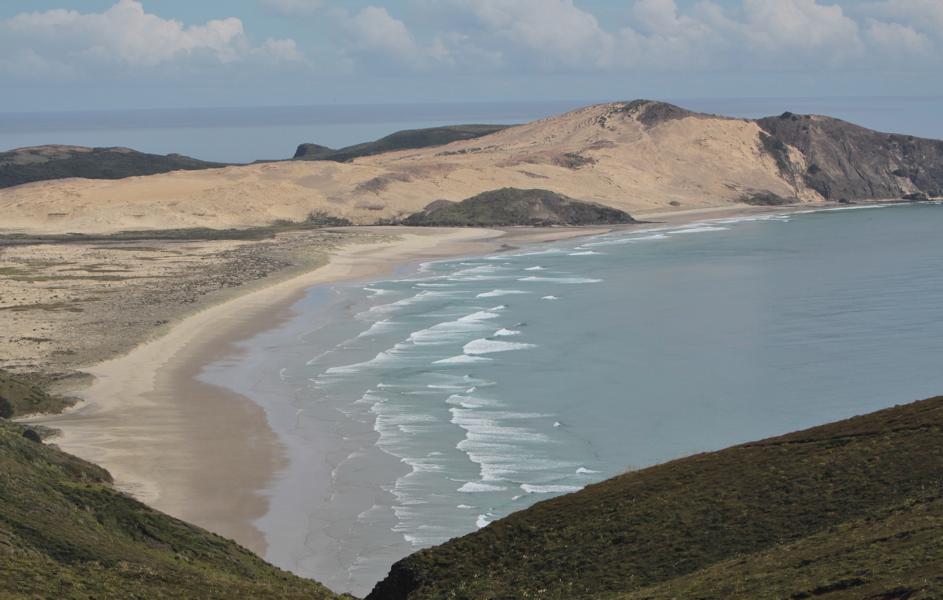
472	388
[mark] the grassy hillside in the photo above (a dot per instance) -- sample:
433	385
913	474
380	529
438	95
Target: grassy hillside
41	163
408	139
20	395
65	533
513	206
846	510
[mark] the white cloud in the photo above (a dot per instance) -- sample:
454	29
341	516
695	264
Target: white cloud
555	33
519	36
898	40
373	32
920	15
125	36
801	28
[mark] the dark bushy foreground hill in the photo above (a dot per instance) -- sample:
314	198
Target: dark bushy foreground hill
65	533
40	163
408	139
847	510
514	206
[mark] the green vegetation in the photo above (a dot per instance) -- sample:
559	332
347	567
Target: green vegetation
22	395
401	140
65	533
513	206
315	220
847	510
41	163
766	199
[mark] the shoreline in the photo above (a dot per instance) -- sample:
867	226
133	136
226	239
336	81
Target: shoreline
208	455
200	452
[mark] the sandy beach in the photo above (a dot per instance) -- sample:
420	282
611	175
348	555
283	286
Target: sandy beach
196	451
203	453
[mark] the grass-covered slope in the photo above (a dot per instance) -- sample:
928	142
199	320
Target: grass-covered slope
41	163
65	533
408	139
19	395
513	206
846	510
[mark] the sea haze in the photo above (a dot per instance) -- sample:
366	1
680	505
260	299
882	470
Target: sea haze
426	406
245	134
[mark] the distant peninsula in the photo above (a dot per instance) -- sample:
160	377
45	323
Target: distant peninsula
637	157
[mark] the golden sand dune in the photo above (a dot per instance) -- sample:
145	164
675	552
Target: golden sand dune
639	157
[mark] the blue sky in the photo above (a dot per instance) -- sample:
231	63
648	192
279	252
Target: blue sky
75	54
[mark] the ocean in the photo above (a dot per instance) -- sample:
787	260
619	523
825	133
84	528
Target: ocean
424	406
245	134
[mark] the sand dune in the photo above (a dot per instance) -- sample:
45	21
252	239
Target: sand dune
629	156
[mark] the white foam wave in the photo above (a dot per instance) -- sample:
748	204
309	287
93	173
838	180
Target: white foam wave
534	268
585	471
461	359
549	298
424	295
627	240
497	293
481	315
378	328
550	489
536	253
470	402
474	487
486	346
584	253
482	521
505	332
701	229
560	279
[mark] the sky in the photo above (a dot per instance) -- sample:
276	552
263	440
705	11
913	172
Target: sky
127	54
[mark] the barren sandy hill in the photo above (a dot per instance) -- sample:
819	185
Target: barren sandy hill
639	157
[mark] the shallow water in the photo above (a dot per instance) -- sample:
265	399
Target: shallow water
423	407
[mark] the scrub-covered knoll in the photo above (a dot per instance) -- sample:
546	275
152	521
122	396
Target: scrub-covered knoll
513	206
41	163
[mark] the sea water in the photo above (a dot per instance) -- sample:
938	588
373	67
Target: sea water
453	395
245	134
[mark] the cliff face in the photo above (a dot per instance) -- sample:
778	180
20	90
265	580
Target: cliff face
850	508
846	162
